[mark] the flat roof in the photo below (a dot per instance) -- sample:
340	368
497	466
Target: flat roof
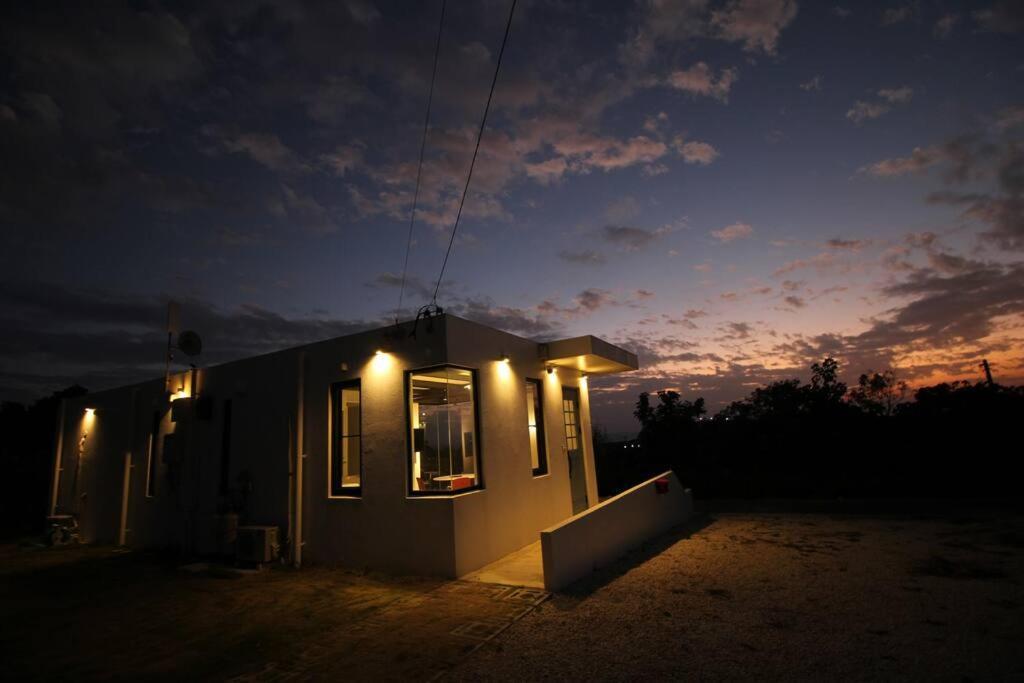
590	355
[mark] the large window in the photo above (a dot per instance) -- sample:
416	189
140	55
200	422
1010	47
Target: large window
442	417
535	425
346	454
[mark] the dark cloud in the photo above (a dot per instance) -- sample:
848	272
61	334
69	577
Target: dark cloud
1003	210
586	256
630	238
55	336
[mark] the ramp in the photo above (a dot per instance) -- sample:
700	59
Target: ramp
524	567
607	531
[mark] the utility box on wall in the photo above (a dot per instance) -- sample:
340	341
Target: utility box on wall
256	544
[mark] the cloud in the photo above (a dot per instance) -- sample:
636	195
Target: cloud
1003	16
586	256
1002	211
821	262
343	159
852	245
920	160
265	149
896	15
813	84
731	233
695	152
1009	117
863	111
508	318
755	23
794	301
57	336
943	28
896	95
700	79
631	238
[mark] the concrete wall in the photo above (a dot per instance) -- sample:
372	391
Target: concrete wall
384	528
515	505
598	536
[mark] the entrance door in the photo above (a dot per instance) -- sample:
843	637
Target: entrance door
574	448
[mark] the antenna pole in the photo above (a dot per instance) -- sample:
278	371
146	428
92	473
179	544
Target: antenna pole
988	371
167	364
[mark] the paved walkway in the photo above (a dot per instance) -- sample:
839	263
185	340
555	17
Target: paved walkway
91	613
524	567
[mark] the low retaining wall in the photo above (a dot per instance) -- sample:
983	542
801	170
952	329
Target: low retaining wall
574	548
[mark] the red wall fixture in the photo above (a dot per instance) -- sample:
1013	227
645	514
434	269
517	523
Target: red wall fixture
661	485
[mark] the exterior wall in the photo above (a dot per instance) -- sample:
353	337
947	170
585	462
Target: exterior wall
605	532
514	505
384	528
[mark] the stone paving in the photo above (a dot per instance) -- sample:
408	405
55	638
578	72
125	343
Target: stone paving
90	613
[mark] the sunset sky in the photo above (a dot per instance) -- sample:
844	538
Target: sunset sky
731	189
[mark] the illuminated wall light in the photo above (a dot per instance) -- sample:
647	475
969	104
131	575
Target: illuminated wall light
90	411
505	358
381	361
551	369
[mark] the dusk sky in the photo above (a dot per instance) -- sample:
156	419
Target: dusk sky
733	190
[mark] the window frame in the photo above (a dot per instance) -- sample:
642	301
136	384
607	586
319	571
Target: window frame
542	437
410	445
337	436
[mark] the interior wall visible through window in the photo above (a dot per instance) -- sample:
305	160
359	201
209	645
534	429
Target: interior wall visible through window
346	452
442	412
535	426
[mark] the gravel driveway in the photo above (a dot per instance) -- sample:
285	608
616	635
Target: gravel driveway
812	597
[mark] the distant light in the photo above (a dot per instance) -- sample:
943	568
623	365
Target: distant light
90	411
379	352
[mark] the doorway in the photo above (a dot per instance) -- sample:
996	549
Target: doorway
574	448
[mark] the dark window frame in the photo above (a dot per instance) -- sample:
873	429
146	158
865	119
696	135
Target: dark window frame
335	489
410	452
542	438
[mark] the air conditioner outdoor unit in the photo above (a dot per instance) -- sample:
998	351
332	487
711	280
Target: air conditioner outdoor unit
256	544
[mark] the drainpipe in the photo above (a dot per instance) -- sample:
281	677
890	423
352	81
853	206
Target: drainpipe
58	458
300	430
122	535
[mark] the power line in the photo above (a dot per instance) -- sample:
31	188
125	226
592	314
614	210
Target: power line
419	167
472	163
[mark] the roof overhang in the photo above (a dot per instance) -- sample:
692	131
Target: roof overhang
590	355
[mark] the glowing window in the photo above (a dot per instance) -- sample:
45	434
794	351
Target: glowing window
346	461
535	426
442	429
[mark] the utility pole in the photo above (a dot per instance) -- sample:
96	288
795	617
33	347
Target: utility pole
988	371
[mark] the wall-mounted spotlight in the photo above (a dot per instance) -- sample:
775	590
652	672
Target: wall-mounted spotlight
90	411
551	369
505	358
379	352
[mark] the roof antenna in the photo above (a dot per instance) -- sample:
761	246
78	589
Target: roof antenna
988	371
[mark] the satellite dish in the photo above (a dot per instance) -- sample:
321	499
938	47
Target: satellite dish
190	343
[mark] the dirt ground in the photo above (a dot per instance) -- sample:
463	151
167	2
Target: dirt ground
782	597
734	596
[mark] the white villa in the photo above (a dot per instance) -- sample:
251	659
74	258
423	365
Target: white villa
434	453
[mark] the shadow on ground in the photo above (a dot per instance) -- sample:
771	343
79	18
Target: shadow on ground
637	557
